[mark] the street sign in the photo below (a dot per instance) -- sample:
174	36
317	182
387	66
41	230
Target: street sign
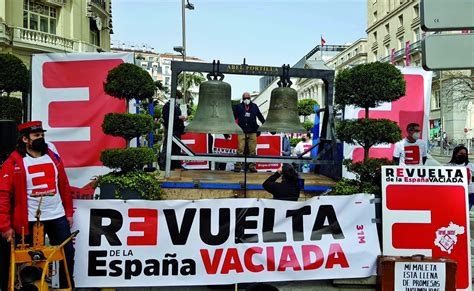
448	51
438	15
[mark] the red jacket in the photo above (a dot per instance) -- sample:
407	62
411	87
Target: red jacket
13	195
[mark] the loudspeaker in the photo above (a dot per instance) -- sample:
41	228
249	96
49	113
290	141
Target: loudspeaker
8	138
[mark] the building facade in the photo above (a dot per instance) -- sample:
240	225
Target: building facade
39	26
394	35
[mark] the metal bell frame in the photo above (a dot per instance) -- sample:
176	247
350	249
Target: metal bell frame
327	141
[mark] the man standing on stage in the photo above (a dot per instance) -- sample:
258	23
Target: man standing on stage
246	114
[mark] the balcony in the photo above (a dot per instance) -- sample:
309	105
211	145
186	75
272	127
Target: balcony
385	59
58	3
5	34
99	4
34	39
85	47
415	47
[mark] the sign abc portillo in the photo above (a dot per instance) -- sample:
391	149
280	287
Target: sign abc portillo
169	243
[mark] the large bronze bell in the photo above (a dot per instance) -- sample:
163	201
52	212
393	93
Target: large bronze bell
214	111
283	112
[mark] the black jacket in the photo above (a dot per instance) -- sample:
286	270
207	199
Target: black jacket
178	125
281	191
249	123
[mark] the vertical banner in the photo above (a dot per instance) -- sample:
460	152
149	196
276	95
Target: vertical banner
392	57
407	53
68	96
425	212
413	107
198	143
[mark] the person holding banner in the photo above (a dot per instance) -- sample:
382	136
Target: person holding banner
34	174
246	114
410	150
288	188
460	158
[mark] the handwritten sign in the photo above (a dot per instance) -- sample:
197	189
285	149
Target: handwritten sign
420	276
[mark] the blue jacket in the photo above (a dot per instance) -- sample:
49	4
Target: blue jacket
248	123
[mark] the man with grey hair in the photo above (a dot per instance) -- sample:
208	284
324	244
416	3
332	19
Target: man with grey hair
246	114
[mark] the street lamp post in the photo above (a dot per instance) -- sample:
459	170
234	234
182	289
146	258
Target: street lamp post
184	6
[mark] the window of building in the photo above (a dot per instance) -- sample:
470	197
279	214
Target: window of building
401	42
37	16
375	16
387	49
387	28
94	33
436	100
375	56
374	35
416	11
400	20
416	34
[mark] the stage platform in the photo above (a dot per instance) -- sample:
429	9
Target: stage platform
203	184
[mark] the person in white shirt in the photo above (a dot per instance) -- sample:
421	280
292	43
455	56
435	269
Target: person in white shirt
305	144
411	150
460	158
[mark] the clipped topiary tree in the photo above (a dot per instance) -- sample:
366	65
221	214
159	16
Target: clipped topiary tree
11	109
306	107
367	86
128	81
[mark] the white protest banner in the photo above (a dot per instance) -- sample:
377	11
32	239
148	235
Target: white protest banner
420	276
223	241
68	96
425	212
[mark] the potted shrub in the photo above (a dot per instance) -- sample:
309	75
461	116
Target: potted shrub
367	86
128	180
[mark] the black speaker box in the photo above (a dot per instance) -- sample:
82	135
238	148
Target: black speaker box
8	137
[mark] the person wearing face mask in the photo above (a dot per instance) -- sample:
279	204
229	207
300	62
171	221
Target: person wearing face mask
31	174
246	114
411	150
460	158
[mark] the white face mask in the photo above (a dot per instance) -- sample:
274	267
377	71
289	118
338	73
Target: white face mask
247	101
416	136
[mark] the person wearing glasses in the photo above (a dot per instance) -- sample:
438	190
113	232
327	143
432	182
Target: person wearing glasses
246	114
411	150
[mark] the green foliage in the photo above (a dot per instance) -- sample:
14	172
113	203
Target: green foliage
306	107
11	109
308	125
368	132
127	125
157	111
369	85
369	170
294	141
128	159
146	184
128	81
14	75
348	187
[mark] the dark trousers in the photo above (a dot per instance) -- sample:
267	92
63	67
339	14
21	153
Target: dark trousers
58	230
4	263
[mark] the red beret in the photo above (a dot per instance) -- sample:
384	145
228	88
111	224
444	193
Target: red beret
31	126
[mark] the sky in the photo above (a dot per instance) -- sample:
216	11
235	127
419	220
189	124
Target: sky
264	32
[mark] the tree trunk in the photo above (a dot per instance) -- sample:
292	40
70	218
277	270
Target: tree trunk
366	113
366	153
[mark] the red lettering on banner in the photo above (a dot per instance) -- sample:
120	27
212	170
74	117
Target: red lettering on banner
211	266
197	142
307	251
288	259
412	155
336	256
270	259
443	210
149	227
248	259
399	172
408	109
89	74
48	178
231	262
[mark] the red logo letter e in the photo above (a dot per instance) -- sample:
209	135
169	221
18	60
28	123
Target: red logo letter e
149	227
